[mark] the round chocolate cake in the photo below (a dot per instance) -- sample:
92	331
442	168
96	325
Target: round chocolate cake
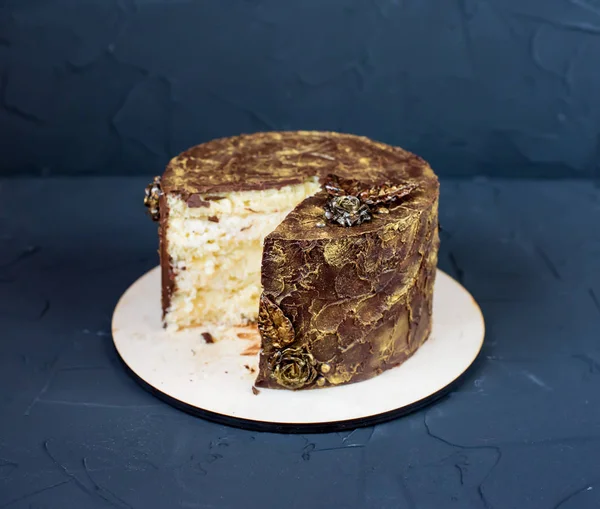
327	242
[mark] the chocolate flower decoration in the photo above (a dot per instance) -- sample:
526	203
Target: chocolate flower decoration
294	367
152	194
347	211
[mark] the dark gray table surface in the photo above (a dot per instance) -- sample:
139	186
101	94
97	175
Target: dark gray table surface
522	432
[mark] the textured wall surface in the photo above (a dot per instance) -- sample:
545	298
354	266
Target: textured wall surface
501	87
521	432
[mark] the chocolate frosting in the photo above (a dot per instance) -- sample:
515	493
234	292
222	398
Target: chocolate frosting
166	267
276	159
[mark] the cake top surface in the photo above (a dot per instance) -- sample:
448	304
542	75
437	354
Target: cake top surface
306	222
269	160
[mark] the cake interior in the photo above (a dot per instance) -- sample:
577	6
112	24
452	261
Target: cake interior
216	252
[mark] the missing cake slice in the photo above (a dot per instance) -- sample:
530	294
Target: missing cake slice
214	247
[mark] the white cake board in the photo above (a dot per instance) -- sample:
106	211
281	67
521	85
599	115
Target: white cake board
215	381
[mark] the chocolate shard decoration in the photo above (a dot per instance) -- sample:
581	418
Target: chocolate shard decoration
273	325
386	194
338	186
370	195
208	337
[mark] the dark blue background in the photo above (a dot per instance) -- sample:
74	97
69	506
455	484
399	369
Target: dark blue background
495	87
521	432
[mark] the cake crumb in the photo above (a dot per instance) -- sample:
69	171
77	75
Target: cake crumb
255	391
252	370
252	349
208	337
248	332
213	219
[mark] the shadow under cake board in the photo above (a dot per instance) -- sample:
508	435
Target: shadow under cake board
214	381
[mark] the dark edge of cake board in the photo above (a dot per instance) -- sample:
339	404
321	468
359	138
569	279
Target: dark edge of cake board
287	428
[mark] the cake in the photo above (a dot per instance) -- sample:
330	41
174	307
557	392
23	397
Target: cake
327	242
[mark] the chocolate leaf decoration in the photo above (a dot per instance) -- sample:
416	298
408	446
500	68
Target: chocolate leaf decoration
273	325
337	186
385	194
371	195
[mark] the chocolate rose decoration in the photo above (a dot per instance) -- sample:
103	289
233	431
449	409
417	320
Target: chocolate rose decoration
293	368
347	211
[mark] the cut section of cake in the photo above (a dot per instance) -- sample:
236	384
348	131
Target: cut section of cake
327	241
215	250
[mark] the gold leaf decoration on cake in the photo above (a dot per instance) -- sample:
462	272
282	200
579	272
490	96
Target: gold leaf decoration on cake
293	368
368	194
152	194
274	326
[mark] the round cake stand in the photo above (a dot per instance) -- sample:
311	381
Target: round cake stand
215	381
